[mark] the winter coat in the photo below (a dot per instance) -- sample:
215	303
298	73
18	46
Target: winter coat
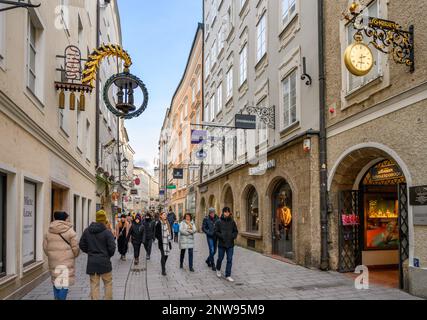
208	226
150	229
98	242
176	227
186	235
137	232
58	251
163	246
226	232
171	218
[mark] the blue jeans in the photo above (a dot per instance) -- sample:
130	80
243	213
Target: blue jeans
212	244
190	257
221	253
60	294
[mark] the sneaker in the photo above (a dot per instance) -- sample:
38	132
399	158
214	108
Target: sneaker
163	273
136	262
218	274
191	270
230	279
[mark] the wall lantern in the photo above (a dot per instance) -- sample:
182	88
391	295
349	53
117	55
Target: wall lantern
125	162
386	36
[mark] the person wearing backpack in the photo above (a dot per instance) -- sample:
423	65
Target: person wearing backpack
99	244
61	248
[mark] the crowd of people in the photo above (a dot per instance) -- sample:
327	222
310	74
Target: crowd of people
100	241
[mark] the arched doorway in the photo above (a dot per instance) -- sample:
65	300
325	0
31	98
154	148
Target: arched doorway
202	211
212	203
369	190
228	198
282	220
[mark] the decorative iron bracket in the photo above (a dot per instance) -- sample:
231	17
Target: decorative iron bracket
304	73
266	115
18	4
387	36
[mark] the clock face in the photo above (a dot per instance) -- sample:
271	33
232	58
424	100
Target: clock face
359	59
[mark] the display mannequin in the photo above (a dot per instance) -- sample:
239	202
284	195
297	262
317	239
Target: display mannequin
283	217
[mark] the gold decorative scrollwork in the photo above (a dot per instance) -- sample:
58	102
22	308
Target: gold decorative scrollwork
94	60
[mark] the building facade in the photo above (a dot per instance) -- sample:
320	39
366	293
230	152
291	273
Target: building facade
376	149
176	150
48	158
254	55
140	194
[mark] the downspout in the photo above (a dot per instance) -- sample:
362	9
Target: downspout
98	84
203	81
324	260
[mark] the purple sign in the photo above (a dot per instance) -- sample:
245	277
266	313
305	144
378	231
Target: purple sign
199	136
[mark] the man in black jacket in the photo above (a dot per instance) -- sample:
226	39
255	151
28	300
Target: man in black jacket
208	228
226	232
99	244
149	235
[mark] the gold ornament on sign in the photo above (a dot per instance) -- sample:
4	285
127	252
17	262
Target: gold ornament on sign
94	60
358	58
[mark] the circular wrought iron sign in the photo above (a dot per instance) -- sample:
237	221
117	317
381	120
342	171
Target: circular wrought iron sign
126	84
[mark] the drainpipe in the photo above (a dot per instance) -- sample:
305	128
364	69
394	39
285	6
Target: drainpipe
324	260
97	115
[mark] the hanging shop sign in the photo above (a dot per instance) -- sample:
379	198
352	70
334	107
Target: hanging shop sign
171	187
137	181
134	192
418	196
262	168
245	121
162	192
386	172
201	154
178	173
199	136
71	79
385	36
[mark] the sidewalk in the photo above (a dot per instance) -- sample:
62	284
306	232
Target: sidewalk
256	277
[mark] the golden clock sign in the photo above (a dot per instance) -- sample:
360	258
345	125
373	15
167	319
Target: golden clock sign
358	58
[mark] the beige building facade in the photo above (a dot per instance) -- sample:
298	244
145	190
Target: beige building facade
376	150
254	63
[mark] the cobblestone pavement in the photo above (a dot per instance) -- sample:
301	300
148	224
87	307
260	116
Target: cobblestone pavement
257	277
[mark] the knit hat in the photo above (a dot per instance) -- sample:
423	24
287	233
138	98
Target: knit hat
101	217
61	216
211	210
138	216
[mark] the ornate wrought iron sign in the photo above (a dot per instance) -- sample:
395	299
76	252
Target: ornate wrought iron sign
386	36
266	115
72	75
17	4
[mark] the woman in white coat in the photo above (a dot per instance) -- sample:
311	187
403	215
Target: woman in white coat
187	230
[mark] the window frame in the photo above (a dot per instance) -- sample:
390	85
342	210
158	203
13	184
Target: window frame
261	30
243	64
230	83
284	126
286	16
3	226
2	39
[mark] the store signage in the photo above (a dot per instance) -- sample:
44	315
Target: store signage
418	196
203	189
245	121
134	191
73	67
201	154
171	187
416	263
162	192
194	167
199	136
29	223
420	215
383	24
178	174
387	172
262	168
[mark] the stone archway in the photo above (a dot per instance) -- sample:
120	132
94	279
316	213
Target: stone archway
213	203
347	198
227	198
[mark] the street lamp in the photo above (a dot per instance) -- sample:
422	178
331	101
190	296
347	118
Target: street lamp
125	162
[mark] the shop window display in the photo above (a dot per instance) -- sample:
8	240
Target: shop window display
253	211
283	221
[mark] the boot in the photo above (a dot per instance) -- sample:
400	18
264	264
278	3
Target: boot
136	261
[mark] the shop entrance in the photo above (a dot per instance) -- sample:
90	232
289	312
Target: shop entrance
373	224
58	198
282	223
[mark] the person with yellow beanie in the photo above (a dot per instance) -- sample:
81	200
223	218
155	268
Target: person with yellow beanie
99	244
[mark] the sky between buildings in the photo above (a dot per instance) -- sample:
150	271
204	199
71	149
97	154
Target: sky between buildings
158	35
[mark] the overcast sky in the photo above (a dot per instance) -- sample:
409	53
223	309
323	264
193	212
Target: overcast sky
158	35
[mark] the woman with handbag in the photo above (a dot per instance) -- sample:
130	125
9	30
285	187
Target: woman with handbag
61	248
164	236
187	229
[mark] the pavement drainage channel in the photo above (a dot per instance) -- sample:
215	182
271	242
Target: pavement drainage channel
320	286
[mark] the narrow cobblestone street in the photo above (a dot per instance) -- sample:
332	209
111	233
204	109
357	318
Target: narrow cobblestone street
257	277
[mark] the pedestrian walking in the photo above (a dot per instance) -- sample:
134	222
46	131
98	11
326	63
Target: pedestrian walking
208	228
122	234
61	248
149	234
187	229
163	235
136	235
175	231
226	232
98	242
171	217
